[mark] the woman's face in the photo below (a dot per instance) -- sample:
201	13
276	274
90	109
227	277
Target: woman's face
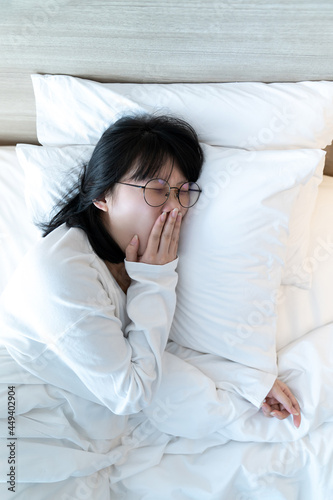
126	213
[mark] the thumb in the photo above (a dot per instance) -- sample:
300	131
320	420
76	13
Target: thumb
132	250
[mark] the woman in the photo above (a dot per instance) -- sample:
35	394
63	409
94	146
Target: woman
87	316
104	320
137	186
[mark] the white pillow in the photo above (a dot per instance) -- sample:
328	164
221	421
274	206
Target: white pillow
49	175
17	233
52	171
250	115
232	251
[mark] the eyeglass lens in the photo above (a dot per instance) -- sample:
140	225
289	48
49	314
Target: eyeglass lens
157	192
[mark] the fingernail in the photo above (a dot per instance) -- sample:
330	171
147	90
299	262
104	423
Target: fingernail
163	216
296	414
134	240
179	215
273	413
174	212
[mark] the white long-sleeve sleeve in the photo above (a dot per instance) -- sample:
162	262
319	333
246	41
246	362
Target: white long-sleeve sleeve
201	393
65	320
245	381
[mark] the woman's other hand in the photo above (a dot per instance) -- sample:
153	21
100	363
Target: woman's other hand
280	403
163	241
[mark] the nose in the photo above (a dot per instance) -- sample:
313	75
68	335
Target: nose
173	202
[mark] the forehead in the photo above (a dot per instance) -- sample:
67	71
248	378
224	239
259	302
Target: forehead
168	171
171	172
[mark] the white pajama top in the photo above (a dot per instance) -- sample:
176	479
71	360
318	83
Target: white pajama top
66	320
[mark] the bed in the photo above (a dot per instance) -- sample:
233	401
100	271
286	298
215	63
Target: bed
256	254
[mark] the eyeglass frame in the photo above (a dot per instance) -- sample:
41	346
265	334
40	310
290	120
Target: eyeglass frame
170	188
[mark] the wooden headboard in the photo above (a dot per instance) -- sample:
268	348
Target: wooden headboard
157	41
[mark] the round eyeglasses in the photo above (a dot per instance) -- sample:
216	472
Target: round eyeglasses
157	191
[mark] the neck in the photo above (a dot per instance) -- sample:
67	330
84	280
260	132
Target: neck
119	273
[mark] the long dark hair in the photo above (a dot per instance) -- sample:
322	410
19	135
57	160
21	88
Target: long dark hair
139	145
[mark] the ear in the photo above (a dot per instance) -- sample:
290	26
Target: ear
101	204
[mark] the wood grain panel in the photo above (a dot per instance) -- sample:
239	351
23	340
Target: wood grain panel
156	41
329	161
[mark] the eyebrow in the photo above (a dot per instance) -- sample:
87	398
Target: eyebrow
177	183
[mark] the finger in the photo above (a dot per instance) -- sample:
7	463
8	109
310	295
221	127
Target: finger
266	409
155	237
131	250
168	233
173	249
296	407
281	415
295	410
297	420
281	393
272	401
293	407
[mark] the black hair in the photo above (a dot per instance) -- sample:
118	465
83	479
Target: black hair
135	145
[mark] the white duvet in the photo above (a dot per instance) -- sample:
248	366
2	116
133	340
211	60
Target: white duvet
274	457
237	455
